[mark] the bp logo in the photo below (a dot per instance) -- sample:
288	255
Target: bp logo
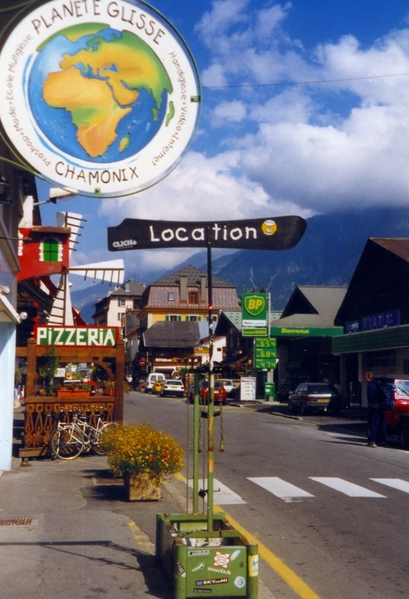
100	96
255	304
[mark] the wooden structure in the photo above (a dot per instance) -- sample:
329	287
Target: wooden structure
43	412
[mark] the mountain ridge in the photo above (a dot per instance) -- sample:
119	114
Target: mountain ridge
327	254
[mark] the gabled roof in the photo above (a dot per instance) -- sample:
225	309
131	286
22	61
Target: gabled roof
380	281
313	307
311	299
131	288
172	335
193	275
399	247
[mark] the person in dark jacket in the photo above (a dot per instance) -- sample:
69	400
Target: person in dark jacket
376	416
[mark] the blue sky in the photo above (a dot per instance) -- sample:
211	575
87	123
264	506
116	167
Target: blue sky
305	111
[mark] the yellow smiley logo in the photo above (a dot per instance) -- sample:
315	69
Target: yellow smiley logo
269	227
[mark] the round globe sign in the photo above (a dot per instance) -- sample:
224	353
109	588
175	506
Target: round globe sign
98	95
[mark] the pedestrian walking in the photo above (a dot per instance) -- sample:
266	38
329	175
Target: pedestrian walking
376	415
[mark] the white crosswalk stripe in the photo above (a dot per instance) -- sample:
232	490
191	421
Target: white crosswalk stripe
280	488
222	495
345	487
394	483
290	493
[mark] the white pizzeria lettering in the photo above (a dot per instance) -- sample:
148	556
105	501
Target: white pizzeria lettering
58	337
81	336
73	336
41	334
93	337
109	337
69	340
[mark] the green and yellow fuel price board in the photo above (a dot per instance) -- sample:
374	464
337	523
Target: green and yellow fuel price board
265	353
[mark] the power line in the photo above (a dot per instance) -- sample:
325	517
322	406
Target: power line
313	82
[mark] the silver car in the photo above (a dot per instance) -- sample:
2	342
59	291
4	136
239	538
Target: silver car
321	396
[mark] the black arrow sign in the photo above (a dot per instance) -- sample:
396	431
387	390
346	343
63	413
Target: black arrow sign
272	233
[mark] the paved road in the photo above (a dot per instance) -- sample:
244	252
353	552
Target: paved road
312	492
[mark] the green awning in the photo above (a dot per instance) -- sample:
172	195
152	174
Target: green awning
305	331
389	338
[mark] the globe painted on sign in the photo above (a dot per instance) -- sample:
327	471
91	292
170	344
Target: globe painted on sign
98	94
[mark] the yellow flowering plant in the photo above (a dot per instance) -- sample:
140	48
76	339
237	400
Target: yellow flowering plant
139	449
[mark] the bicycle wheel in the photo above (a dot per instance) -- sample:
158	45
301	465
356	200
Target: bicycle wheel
97	436
66	443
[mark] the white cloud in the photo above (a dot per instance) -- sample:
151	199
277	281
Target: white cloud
316	146
229	112
224	15
276	146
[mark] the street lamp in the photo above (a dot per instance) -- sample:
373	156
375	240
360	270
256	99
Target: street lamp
58	193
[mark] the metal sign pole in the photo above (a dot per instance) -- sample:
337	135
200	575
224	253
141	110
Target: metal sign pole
210	453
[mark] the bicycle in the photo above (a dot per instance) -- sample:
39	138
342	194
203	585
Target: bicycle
69	440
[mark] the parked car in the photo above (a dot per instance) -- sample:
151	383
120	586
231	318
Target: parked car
173	387
228	385
397	420
220	393
321	396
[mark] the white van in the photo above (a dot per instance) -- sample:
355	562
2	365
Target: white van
153	378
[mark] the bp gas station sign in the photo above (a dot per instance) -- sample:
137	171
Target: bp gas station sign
254	314
254	309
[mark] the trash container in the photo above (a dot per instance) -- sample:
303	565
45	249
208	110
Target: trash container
269	391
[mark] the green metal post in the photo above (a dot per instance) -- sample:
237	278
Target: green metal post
252	574
196	424
210	474
180	572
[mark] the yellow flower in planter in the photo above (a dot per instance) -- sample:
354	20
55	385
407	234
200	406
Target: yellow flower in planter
142	449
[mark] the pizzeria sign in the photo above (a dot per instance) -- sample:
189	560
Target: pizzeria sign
77	336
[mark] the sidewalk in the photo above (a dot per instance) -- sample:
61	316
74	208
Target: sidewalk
67	531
